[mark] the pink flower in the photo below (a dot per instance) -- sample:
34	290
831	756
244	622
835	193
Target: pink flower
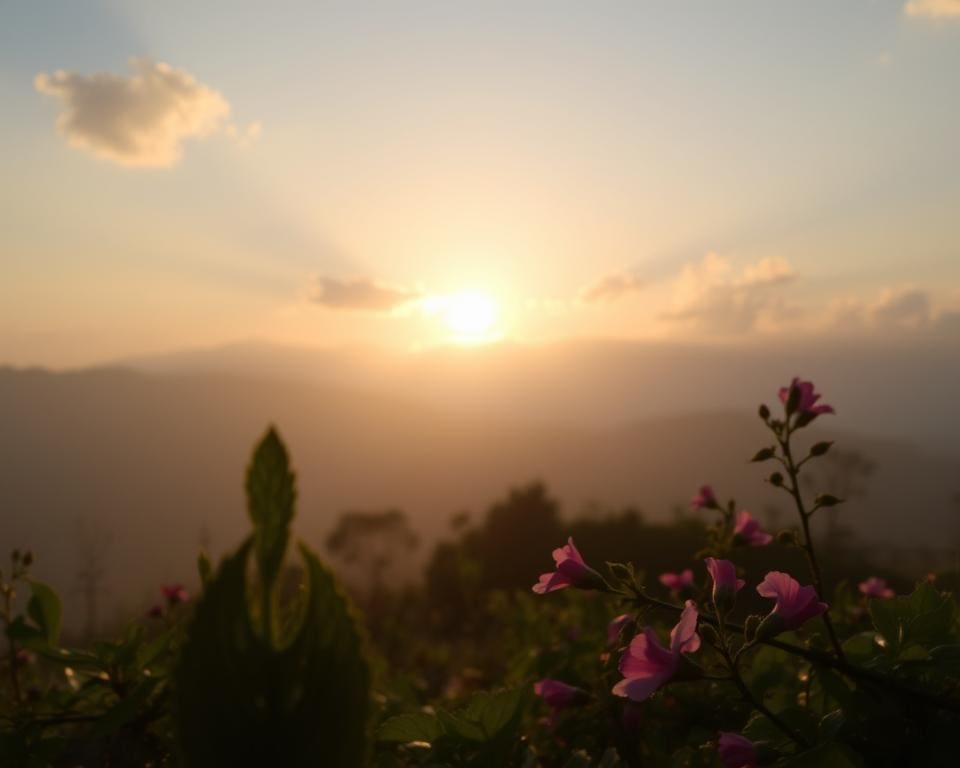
725	581
558	695
571	572
806	397
677	582
736	751
705	499
646	665
876	587
175	593
747	530
616	627
155	612
795	604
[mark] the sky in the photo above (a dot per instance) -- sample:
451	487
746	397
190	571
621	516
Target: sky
175	175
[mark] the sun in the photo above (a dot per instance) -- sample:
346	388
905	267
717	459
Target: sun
470	317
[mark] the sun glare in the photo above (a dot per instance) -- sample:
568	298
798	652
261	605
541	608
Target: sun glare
471	317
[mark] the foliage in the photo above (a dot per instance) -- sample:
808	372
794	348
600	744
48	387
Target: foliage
270	666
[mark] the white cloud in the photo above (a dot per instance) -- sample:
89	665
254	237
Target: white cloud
933	9
140	119
712	296
611	287
359	294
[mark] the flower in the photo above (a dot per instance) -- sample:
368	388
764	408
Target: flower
155	612
174	593
558	695
806	398
705	499
875	587
747	530
571	572
725	581
736	751
616	627
646	665
677	582
795	604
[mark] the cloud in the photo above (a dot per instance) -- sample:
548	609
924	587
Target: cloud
933	9
611	287
359	294
772	270
896	310
712	296
902	308
142	119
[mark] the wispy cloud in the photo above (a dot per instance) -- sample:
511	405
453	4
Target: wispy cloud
713	296
141	119
904	308
933	9
359	294
611	287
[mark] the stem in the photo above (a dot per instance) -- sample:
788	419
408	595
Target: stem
732	665
794	490
12	648
266	613
766	711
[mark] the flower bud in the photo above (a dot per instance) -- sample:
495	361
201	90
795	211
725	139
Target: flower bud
827	500
775	479
787	538
819	449
28	559
764	454
763	412
622	572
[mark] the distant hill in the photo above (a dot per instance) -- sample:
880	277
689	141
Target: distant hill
153	464
897	387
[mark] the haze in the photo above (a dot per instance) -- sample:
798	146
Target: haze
451	248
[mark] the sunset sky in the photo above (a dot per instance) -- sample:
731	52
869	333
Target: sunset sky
185	174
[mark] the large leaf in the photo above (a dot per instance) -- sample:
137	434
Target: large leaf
413	726
242	701
271	494
924	618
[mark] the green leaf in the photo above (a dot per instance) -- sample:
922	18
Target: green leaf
414	726
124	710
44	609
947	657
455	725
493	712
241	701
270	501
925	617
